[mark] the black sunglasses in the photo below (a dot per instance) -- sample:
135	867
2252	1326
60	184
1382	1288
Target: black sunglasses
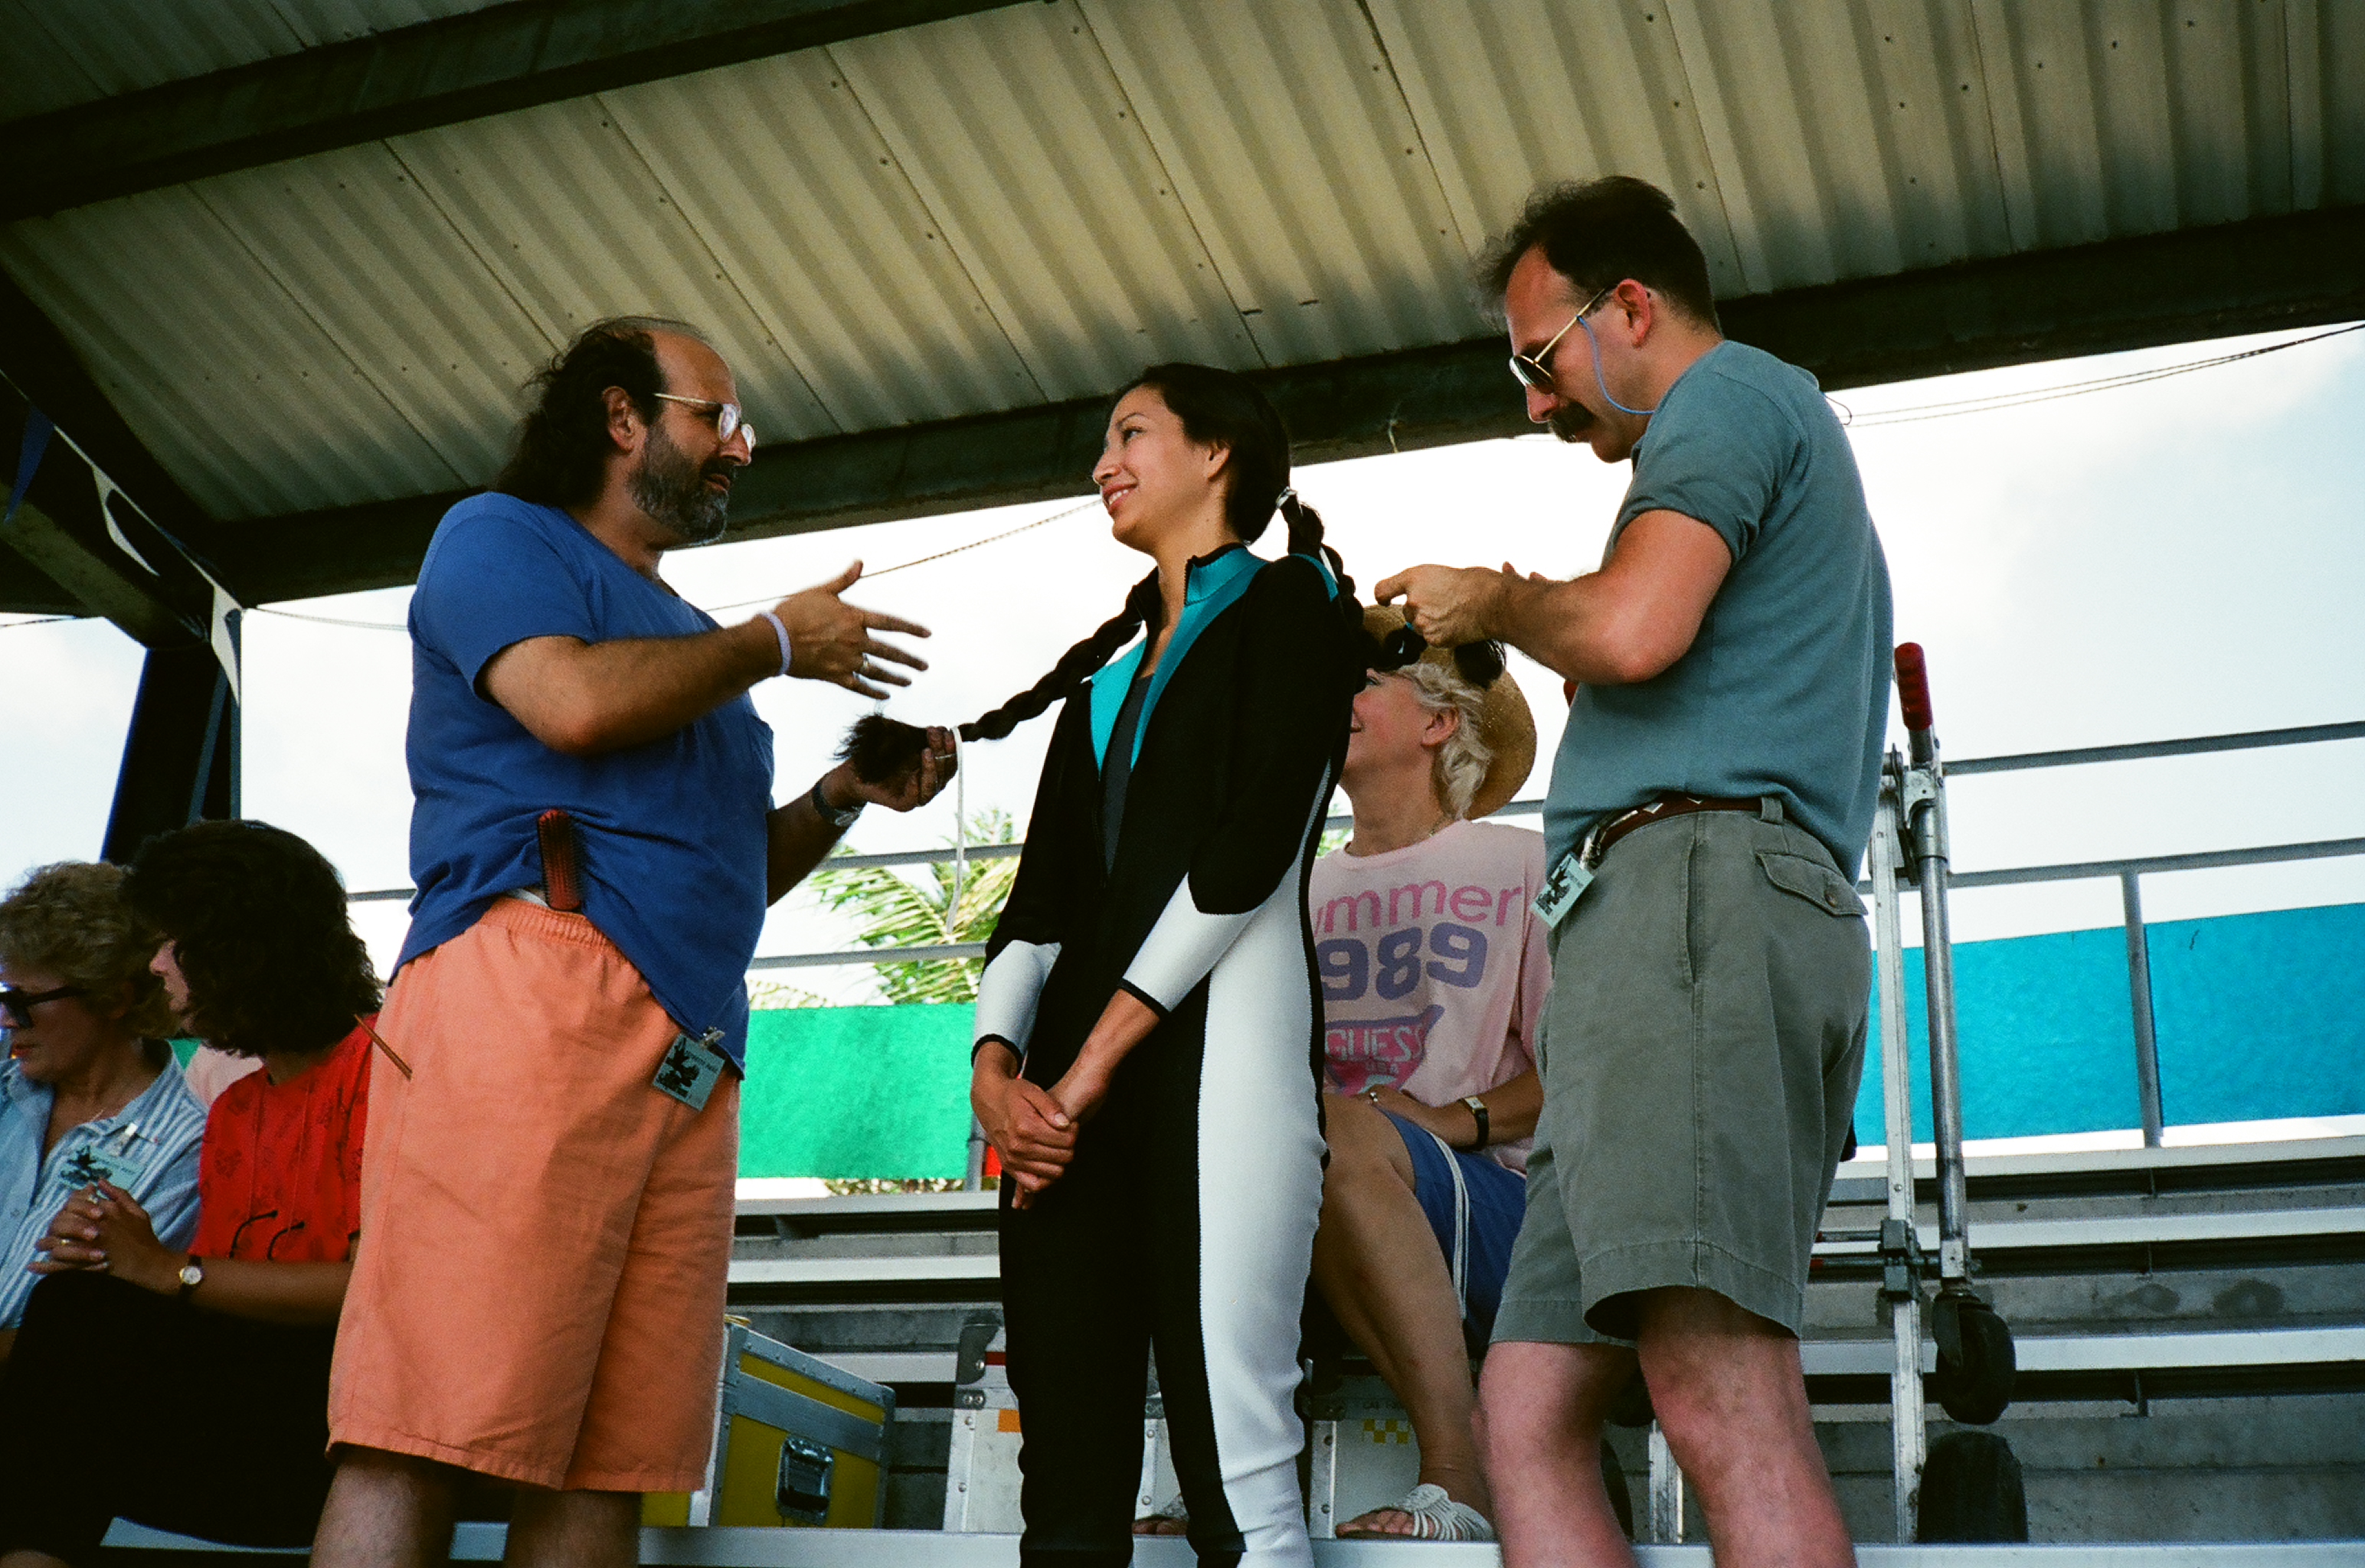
1478	662
19	1004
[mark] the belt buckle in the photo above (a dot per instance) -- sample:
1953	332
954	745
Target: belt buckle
1589	849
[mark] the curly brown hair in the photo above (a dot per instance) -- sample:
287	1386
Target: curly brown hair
562	447
258	924
71	920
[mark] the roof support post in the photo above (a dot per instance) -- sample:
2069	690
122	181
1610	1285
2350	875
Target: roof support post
181	754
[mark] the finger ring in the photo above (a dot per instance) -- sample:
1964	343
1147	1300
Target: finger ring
1372	1095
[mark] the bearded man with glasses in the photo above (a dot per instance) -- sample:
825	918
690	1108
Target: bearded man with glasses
548	1186
1709	806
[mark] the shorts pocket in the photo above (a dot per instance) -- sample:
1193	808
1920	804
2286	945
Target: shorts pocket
1814	882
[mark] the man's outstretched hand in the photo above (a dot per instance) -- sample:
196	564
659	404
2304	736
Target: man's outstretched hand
832	640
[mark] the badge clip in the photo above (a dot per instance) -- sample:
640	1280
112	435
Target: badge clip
692	1066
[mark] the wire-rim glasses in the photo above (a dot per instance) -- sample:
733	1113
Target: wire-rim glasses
1534	371
728	420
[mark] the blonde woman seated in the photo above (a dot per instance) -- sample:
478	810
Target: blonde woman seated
1433	973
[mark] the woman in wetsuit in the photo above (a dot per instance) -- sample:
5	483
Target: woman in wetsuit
1148	1042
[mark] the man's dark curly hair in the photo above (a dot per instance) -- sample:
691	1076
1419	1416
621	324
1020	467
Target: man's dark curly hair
1601	232
257	920
562	448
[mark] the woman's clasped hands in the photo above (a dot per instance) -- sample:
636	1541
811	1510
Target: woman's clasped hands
1027	1127
102	1228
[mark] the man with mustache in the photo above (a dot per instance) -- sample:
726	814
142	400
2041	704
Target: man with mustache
547	1189
1709	805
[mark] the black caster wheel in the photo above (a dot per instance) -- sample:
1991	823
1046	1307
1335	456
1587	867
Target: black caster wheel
1613	1480
1971	1491
1974	1357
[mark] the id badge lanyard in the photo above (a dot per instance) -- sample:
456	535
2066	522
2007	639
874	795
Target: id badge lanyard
1567	880
116	1157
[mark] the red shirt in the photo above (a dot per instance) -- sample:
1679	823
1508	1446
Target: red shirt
279	1178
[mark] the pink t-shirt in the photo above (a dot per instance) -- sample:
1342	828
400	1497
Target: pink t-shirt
1433	965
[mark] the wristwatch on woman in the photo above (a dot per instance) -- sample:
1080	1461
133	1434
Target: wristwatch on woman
192	1275
1478	1109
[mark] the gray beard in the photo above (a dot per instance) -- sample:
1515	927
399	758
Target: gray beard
672	490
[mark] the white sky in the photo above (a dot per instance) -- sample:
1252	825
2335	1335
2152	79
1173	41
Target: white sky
2179	558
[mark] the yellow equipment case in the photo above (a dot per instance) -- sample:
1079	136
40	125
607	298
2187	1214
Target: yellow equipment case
797	1442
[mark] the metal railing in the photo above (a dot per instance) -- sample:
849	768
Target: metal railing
2128	873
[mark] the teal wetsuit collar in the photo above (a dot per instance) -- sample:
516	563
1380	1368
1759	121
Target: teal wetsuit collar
1216	582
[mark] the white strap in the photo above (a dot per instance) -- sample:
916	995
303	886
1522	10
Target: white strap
1461	1225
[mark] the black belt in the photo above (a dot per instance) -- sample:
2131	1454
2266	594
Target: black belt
1660	810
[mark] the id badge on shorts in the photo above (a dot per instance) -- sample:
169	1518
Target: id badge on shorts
1562	888
692	1067
118	1159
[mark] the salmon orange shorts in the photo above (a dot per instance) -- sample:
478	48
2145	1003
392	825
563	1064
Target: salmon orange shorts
538	1292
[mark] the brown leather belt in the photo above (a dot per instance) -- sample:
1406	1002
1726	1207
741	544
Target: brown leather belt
1665	806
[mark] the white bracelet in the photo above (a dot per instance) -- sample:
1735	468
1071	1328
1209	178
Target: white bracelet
783	633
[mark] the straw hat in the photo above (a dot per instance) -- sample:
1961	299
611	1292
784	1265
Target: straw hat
1504	721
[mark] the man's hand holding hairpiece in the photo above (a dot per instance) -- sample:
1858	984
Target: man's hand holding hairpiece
1449	605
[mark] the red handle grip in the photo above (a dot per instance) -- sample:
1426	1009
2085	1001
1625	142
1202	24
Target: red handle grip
562	879
1913	686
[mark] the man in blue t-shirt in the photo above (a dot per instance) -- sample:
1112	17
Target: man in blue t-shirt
549	1174
1710	804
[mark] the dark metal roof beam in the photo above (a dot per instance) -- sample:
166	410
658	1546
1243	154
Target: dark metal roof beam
2249	277
2206	283
505	57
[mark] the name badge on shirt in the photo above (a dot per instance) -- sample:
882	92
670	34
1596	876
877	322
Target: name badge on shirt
692	1067
117	1159
1562	888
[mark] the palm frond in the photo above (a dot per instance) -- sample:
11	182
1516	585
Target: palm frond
893	911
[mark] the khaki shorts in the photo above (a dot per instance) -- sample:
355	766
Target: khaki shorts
1701	1053
546	1238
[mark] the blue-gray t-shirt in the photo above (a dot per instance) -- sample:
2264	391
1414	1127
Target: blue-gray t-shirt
671	833
1784	692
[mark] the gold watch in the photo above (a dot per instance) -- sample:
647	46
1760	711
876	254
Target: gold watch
192	1275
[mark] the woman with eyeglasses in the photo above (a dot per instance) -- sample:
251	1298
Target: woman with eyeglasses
184	1382
1147	1034
89	1090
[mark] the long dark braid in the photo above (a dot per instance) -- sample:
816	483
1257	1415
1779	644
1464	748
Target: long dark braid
1213	405
1143	606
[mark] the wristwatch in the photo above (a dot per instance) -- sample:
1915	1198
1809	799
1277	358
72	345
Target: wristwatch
830	814
1478	1109
193	1274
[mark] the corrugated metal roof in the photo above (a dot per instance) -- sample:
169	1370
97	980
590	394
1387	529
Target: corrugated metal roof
63	52
1027	205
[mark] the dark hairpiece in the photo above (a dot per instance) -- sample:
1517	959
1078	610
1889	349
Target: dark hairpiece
1214	407
562	447
1599	232
258	923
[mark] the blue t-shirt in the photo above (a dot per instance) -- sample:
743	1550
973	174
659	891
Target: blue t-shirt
671	835
1784	692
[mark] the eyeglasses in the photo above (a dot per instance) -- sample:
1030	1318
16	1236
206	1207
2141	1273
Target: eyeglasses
728	421
1534	370
17	1006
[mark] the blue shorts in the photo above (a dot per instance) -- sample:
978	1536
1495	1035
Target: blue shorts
1476	1219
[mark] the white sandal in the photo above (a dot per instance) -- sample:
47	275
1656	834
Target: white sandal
1435	1517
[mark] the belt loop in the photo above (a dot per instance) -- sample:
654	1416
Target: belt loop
1769	809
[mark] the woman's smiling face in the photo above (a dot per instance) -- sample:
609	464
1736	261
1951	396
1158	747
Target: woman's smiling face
1152	475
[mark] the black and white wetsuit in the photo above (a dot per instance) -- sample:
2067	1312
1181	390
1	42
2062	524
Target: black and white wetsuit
1187	1217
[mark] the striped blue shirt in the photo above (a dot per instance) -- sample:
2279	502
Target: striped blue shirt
153	1141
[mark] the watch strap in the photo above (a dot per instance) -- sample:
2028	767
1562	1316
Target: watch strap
1478	1109
830	814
